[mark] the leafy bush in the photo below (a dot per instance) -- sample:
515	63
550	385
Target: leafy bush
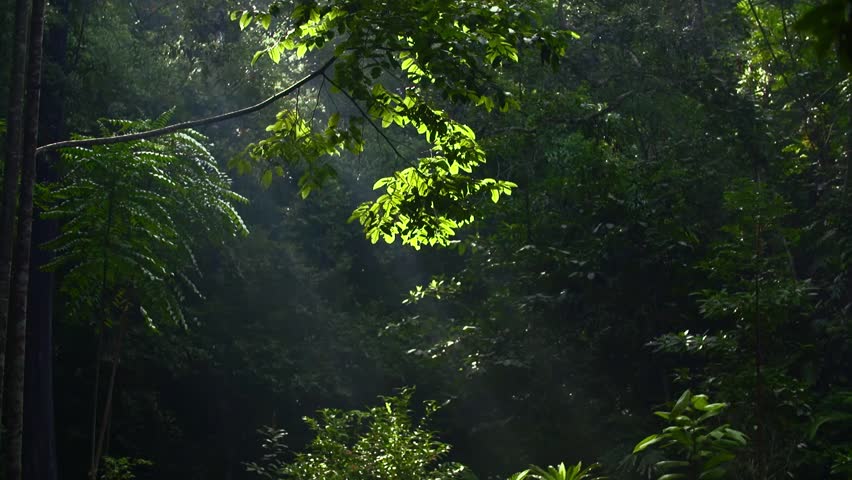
560	472
830	433
382	443
697	451
122	468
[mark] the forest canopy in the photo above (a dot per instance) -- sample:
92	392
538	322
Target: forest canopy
364	239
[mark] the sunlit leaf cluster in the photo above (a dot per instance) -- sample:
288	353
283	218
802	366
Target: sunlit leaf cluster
400	59
381	443
296	145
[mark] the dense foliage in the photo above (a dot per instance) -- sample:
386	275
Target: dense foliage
618	210
380	443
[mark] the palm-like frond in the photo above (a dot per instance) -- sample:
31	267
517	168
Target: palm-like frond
133	213
561	472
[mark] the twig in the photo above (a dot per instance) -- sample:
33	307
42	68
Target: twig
376	128
366	117
316	101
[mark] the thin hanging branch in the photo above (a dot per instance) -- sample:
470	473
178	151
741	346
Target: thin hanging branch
766	40
378	130
158	132
366	117
317	100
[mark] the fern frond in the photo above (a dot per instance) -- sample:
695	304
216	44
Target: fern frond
132	216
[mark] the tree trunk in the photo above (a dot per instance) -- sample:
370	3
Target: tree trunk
20	276
12	170
103	432
39	450
96	396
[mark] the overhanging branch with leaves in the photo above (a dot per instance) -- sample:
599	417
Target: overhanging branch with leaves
158	132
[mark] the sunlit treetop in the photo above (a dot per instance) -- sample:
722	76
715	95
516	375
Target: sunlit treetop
438	51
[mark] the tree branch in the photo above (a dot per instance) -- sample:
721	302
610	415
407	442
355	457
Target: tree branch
88	142
366	117
375	127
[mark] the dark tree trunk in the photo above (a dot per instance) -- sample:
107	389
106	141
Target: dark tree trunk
39	451
39	448
103	432
21	267
14	153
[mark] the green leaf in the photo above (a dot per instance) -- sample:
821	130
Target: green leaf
713	407
712	474
245	20
275	53
670	464
681	403
334	119
520	475
381	183
265	20
736	435
700	402
672	476
828	418
647	442
680	435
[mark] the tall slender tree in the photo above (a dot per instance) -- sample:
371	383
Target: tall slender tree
39	450
17	337
14	153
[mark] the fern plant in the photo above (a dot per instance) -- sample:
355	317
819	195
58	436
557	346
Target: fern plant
132	216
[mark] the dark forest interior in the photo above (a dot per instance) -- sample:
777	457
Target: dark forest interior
437	240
